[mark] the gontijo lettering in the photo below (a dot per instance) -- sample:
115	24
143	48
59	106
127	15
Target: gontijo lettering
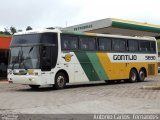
124	57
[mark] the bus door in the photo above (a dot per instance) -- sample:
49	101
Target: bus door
47	64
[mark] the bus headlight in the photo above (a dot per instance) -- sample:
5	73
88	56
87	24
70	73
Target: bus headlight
30	71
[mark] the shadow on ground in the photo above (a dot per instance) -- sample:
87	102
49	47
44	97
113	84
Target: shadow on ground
72	86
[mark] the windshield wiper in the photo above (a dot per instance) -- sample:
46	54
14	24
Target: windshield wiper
31	49
19	59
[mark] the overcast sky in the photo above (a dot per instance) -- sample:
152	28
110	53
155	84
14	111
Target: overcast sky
50	13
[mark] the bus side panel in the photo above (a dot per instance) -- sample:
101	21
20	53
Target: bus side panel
91	65
113	70
87	66
124	62
120	68
68	61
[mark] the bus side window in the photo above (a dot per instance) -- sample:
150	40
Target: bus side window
119	45
144	46
104	44
152	46
132	45
69	42
74	43
87	43
65	42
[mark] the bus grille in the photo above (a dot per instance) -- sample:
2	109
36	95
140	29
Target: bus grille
151	69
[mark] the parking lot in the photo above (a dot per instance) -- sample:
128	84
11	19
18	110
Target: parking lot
83	98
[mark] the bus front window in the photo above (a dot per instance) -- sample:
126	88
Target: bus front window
25	57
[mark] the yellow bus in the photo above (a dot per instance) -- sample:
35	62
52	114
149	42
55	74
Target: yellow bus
56	57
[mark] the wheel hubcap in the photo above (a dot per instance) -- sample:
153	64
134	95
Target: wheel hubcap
60	81
133	76
142	75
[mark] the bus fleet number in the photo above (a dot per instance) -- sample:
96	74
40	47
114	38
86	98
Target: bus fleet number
150	57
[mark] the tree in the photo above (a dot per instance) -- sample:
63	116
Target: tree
13	30
28	28
6	32
51	28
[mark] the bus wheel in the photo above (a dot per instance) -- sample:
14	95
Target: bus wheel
133	76
34	86
107	81
60	80
141	75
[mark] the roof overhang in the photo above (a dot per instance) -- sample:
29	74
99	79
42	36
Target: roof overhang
117	26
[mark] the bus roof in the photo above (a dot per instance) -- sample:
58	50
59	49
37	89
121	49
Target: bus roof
84	33
111	35
38	31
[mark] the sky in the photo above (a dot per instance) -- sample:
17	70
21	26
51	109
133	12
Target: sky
62	13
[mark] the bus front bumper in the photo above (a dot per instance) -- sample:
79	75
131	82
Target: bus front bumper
26	80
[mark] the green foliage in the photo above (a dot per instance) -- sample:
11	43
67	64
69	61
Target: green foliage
13	30
5	34
28	28
2	35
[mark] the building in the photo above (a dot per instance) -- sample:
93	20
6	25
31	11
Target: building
117	26
4	53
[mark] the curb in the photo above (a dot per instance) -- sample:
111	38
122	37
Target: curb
156	87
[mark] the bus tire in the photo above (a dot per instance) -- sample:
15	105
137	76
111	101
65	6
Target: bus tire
118	81
141	75
60	80
106	81
34	87
133	76
110	81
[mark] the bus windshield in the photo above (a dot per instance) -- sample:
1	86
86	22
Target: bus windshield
26	57
38	38
26	50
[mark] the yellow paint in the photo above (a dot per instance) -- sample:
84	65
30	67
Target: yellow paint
90	34
30	71
68	57
121	70
105	61
134	22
